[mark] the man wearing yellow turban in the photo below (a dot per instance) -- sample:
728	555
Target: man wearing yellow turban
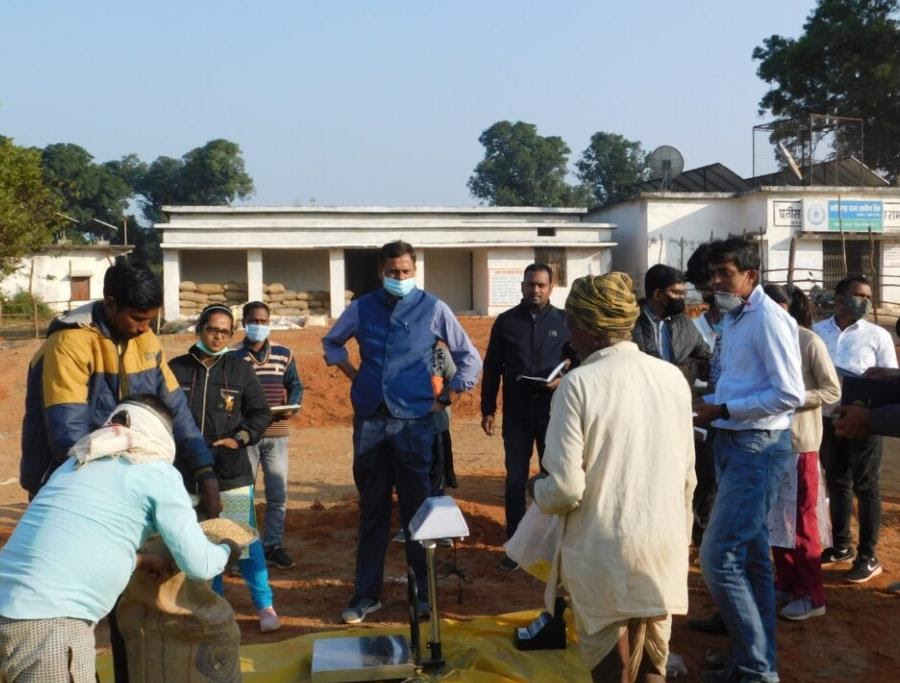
623	482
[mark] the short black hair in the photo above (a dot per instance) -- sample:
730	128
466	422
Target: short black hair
207	312
153	402
396	249
743	253
843	286
661	276
698	272
131	284
538	265
252	306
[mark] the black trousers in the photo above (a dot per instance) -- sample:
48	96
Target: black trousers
705	492
522	431
852	466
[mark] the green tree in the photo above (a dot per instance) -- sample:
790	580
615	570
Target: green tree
845	63
28	209
86	190
522	168
611	163
213	174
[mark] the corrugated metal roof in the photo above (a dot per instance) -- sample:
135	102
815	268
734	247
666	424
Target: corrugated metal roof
848	172
712	178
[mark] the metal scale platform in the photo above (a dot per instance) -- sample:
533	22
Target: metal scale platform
380	658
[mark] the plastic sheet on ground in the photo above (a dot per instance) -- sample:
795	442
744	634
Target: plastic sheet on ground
477	651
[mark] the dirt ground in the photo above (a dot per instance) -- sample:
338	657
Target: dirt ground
856	641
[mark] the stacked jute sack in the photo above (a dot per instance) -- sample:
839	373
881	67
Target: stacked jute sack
288	302
192	297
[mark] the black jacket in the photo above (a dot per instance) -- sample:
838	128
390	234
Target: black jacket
690	353
522	345
225	400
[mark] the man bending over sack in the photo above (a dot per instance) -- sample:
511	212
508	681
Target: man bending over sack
73	551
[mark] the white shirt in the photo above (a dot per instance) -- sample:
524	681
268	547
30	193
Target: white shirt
622	473
761	379
857	348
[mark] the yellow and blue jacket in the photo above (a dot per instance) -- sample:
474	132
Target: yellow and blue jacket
77	378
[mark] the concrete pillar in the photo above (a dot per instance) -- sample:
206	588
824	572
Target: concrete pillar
337	281
420	269
171	283
254	275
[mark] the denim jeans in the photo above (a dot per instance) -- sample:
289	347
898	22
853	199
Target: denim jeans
735	550
389	452
272	454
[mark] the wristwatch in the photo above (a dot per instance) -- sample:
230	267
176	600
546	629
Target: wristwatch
725	414
242	437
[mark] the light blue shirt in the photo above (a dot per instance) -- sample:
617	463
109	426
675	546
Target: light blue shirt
761	379
73	551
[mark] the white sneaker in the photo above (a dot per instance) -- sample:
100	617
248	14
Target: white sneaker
268	620
801	609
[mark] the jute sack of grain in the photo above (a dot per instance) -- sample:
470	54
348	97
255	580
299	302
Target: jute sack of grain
232	285
187	286
182	303
235	297
302	296
277	297
178	630
289	294
317	303
321	294
217	298
210	288
194	296
294	303
288	312
277	288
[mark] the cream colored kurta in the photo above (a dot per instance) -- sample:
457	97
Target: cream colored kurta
620	458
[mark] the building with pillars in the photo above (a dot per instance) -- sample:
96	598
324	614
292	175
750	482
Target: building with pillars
472	258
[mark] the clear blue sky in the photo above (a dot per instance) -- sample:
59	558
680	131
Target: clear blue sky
372	102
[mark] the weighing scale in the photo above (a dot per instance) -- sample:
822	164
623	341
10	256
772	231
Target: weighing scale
379	658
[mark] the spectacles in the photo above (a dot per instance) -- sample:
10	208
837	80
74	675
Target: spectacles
216	331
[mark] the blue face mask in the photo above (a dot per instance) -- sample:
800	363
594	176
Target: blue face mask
257	333
399	288
203	347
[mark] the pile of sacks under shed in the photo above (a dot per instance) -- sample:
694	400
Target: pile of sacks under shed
283	302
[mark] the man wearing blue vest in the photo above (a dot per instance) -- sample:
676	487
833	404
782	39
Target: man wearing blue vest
396	328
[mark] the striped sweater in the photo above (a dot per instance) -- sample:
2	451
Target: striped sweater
277	372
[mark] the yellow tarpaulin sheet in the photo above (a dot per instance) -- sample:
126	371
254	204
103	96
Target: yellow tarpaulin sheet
478	651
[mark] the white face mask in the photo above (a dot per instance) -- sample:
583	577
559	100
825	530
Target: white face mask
727	302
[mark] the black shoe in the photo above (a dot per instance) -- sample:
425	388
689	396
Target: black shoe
508	565
716	660
864	568
835	555
277	557
715	625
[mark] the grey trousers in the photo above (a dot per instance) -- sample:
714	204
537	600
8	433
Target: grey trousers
46	650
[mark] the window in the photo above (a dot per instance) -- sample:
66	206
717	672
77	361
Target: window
81	288
546	232
554	257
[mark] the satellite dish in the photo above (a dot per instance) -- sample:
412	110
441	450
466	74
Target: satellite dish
666	163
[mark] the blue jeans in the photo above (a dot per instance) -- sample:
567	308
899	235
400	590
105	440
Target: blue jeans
389	452
272	454
735	550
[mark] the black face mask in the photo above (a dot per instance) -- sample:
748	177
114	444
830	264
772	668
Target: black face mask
674	307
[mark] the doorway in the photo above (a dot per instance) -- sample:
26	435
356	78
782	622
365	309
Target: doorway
862	259
361	271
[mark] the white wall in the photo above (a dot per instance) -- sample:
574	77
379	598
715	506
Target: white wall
630	253
480	283
449	277
52	281
297	269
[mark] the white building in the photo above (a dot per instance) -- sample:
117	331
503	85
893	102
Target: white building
64	275
472	258
821	220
